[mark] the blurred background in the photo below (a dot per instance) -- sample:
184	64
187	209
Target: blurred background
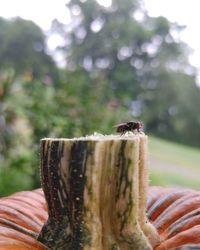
69	68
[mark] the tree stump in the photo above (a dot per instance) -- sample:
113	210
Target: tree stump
96	189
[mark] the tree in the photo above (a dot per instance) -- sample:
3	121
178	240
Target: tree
141	58
23	48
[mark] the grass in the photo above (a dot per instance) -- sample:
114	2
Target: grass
173	164
169	179
175	153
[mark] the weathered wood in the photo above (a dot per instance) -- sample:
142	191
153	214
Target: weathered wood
146	226
95	188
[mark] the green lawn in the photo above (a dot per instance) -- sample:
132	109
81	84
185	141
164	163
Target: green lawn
172	164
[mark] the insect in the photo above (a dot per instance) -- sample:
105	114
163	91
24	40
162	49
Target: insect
128	126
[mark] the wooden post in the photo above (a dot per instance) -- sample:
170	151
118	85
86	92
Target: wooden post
95	188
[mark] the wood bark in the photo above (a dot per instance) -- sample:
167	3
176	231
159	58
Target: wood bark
96	189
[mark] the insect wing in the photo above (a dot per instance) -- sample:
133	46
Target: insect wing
119	125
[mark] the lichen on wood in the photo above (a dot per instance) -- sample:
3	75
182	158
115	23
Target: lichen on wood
96	189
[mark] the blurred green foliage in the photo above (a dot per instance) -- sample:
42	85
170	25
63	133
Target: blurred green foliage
142	60
74	106
118	68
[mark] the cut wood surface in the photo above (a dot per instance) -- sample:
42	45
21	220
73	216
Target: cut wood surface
96	189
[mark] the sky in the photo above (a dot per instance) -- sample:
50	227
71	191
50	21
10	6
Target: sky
42	12
184	13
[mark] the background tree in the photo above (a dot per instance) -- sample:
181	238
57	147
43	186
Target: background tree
23	48
142	60
23	59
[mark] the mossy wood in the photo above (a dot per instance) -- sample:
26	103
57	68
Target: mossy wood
96	189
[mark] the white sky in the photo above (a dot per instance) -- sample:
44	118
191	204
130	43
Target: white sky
43	12
183	12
